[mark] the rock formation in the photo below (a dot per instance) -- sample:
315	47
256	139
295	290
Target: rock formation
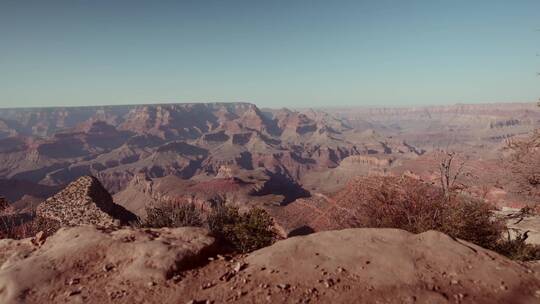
97	265
84	201
85	264
394	266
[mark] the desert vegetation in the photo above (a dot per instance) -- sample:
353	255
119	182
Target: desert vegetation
173	216
245	232
524	165
15	225
416	206
24	225
241	232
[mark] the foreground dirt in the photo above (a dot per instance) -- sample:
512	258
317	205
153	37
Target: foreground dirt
86	265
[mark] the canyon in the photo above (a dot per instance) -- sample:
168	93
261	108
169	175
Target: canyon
91	175
286	154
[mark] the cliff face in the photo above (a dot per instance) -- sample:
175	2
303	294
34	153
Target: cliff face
55	146
494	109
47	121
197	118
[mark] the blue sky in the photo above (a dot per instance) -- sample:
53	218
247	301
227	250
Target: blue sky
272	53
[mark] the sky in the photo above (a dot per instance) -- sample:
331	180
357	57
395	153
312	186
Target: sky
276	53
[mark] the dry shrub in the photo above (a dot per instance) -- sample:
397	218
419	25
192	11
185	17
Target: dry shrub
412	205
517	249
173	216
20	226
524	165
471	220
387	202
4	204
243	232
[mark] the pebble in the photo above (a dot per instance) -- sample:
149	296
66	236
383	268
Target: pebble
40	237
329	283
200	302
239	266
227	276
207	285
108	267
283	286
73	292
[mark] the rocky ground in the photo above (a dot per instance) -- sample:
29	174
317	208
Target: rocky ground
88	265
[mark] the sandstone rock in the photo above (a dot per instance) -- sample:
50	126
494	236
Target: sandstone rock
153	255
400	265
84	201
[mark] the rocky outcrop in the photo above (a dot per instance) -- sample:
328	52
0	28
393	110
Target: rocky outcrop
105	263
84	201
85	264
394	266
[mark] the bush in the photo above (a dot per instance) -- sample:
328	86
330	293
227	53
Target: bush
20	226
471	220
387	202
409	204
516	248
523	166
173	216
243	232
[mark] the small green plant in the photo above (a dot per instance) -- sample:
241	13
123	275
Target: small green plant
243	232
172	216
